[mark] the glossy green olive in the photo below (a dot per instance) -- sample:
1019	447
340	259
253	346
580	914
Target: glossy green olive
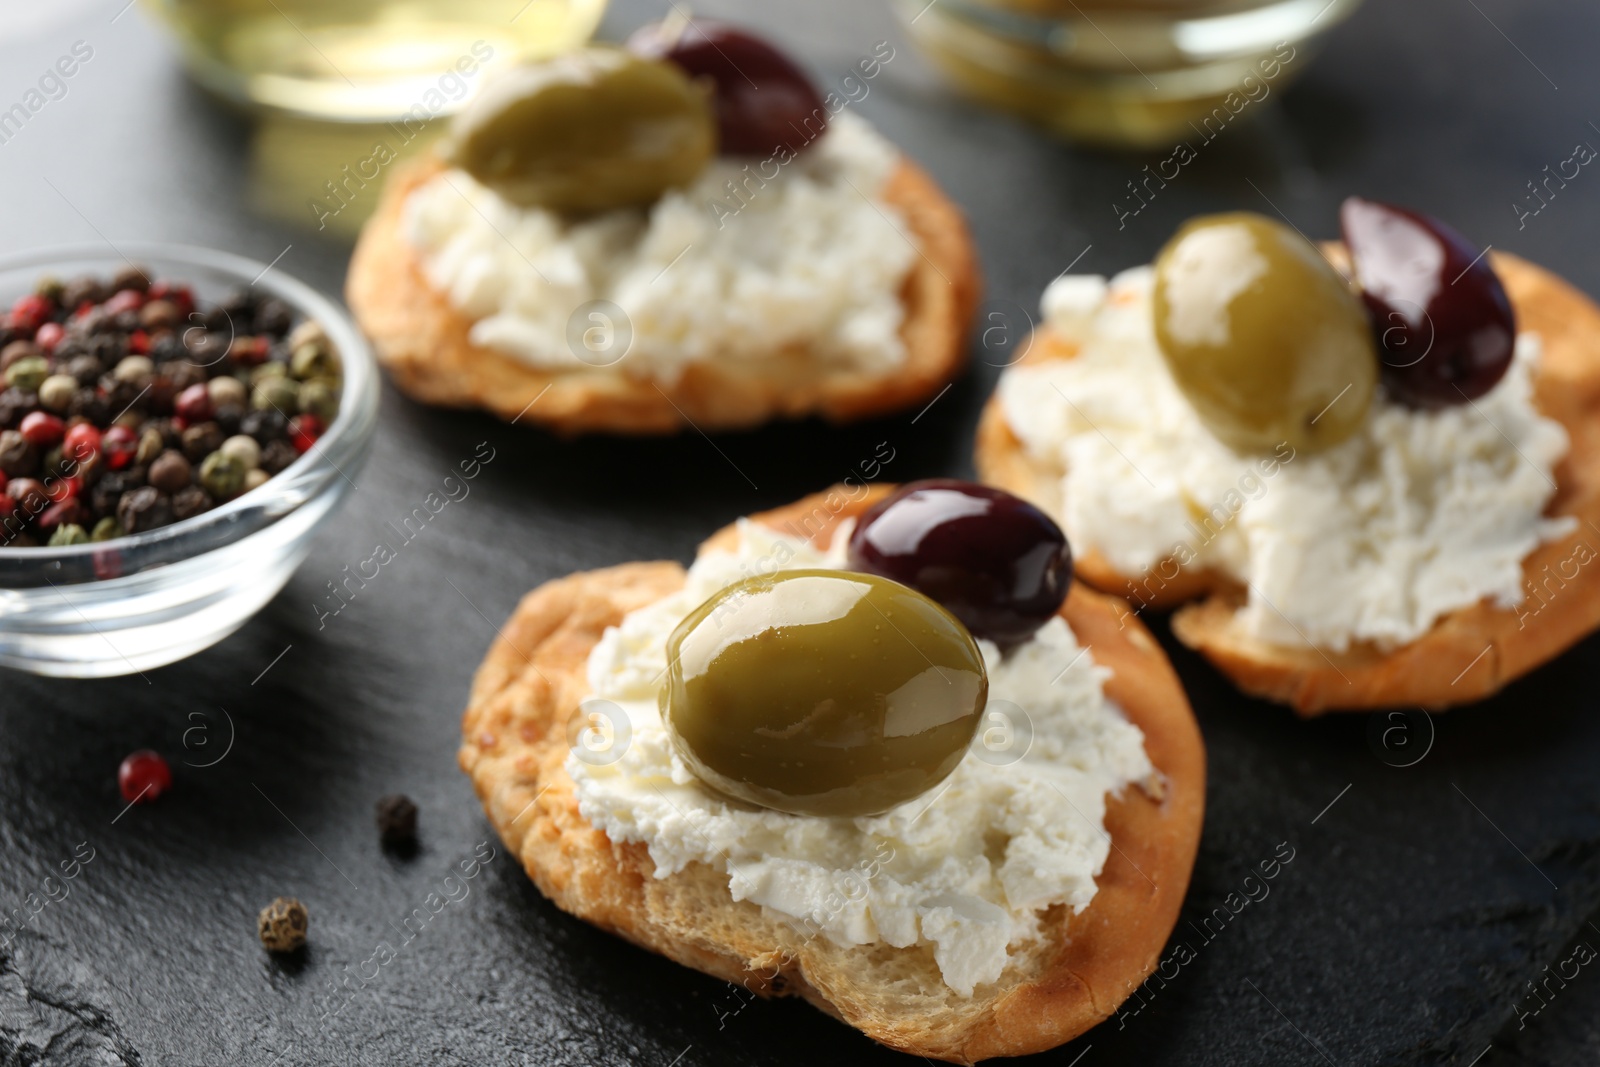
1269	342
822	692
587	131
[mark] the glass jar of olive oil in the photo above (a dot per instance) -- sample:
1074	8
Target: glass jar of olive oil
365	60
1122	72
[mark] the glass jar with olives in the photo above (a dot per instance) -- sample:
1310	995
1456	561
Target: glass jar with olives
1262	335
1444	325
820	692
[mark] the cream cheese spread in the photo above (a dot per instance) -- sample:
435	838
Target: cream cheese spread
966	868
1419	514
749	260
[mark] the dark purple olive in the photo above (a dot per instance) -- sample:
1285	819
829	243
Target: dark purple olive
763	101
992	560
1444	325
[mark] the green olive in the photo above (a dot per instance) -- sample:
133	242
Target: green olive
587	131
822	692
1269	342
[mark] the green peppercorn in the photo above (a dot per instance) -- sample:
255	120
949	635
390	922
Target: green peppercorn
55	392
151	444
49	287
222	475
268	371
69	533
276	394
317	399
107	529
28	373
314	359
52	463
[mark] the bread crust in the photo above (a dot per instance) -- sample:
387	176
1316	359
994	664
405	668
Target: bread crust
1469	654
515	743
424	342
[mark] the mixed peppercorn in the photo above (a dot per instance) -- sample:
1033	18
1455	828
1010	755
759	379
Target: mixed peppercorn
128	407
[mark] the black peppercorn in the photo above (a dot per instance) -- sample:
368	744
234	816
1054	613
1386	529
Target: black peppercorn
122	395
108	491
18	458
143	509
228	417
168	347
14	404
206	347
170	472
85	368
131	277
190	501
277	455
264	426
81	290
182	373
240	306
397	820
202	439
95	322
273	317
90	404
282	925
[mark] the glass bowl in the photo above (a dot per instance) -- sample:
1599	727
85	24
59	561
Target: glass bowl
141	601
1123	73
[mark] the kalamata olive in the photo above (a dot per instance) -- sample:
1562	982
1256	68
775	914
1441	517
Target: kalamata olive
1262	335
822	692
762	99
590	130
993	560
1444	324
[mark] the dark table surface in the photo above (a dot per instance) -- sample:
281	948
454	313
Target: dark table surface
1420	899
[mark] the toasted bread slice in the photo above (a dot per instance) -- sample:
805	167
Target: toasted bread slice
424	342
1469	654
515	743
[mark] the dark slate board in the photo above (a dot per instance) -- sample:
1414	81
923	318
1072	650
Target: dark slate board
1419	901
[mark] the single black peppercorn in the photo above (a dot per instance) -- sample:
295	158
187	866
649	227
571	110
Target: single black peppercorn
85	368
200	440
131	277
143	509
277	455
191	501
170	472
228	417
169	347
282	925
397	820
91	404
273	317
18	458
265	426
81	290
14	404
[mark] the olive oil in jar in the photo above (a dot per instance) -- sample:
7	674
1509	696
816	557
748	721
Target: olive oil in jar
366	60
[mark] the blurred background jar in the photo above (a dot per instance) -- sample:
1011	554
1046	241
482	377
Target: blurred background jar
363	60
1133	73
